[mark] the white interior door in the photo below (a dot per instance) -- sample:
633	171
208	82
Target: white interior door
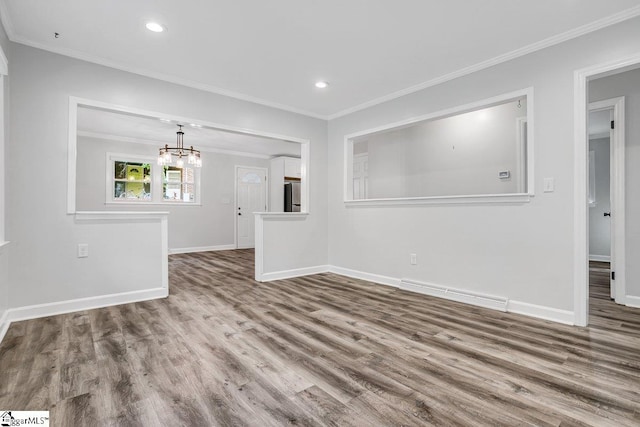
251	196
613	109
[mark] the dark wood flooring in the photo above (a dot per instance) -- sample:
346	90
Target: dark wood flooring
224	350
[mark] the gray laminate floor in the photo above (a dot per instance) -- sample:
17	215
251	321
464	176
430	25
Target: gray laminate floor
320	350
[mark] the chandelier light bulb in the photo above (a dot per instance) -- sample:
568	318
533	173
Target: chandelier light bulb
192	155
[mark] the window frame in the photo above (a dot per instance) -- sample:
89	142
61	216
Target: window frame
449	199
157	197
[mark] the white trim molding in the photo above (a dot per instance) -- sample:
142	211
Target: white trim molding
505	57
81	304
118	216
298	272
581	179
175	251
516	198
523	197
460	295
541	312
4	324
72	142
632	301
534	47
369	277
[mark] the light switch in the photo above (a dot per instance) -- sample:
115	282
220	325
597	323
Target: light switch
549	185
83	250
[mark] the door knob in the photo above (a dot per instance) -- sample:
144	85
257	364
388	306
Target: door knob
607	214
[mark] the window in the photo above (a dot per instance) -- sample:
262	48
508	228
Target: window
131	181
135	179
178	184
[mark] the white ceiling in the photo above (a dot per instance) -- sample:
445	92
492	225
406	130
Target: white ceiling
150	130
273	51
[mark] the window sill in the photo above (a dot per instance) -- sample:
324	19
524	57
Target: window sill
518	198
123	216
152	203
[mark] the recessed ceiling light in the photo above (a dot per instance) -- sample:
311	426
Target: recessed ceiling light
166	120
321	85
195	125
155	27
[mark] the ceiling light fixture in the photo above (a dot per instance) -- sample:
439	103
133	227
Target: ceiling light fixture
165	156
322	85
195	125
155	27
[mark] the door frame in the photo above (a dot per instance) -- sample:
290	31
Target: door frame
235	197
617	193
581	178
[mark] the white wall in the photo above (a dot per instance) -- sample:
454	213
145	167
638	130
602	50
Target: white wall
209	224
600	225
44	267
457	155
627	84
520	251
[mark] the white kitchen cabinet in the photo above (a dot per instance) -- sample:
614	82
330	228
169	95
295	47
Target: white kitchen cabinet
292	167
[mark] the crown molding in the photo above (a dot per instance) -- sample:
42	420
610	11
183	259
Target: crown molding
534	47
163	77
158	144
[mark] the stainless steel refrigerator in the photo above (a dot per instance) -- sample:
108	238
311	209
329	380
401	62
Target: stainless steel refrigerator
292	196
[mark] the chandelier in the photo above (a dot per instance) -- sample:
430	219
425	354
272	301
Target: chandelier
166	154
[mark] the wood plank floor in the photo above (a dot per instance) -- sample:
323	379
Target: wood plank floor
321	350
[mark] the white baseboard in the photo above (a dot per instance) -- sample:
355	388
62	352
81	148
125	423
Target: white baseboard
602	258
459	295
4	324
542	312
201	249
488	301
298	272
375	278
62	307
631	301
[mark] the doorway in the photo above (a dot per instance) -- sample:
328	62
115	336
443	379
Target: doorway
600	131
251	197
606	199
595	83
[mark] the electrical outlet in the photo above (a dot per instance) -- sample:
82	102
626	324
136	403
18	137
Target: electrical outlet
83	250
413	259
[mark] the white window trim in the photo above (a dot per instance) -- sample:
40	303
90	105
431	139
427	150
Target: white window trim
72	144
156	182
455	199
